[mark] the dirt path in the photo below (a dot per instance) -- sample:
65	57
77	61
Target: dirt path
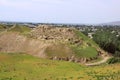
105	59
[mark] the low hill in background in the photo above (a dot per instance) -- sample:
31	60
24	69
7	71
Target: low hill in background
112	23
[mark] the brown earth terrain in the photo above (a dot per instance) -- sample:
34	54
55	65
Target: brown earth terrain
45	42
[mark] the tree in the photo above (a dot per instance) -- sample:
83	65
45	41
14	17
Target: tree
108	41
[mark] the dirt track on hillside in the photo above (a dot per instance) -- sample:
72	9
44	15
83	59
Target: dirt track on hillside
105	59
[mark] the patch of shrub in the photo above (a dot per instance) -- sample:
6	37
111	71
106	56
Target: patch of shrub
113	60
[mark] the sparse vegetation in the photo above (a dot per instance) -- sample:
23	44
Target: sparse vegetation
88	52
19	28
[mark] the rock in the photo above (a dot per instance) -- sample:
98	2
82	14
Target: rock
55	58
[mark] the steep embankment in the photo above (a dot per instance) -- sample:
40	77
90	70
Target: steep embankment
50	42
14	42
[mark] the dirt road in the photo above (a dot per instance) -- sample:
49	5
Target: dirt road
105	59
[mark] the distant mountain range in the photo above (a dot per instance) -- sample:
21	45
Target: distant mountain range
112	23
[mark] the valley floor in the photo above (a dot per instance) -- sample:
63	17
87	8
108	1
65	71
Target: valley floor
26	67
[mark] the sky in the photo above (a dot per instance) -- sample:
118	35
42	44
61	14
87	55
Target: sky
60	11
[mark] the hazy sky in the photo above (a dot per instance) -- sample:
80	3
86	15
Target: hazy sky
60	11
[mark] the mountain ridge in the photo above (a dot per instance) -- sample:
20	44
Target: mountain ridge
112	23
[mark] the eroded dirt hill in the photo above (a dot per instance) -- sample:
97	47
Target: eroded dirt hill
50	33
50	42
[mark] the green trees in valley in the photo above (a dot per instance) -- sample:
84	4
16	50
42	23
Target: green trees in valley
108	41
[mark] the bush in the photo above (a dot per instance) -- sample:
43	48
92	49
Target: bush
113	60
117	53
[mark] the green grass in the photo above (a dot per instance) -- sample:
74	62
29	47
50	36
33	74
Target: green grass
87	52
85	38
59	50
23	30
26	67
20	28
2	27
87	48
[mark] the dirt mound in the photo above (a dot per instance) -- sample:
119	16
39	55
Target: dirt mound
55	43
14	42
53	33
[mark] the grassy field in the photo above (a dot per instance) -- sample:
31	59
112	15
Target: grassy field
26	67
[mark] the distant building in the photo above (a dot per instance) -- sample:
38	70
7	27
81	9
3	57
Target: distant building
90	35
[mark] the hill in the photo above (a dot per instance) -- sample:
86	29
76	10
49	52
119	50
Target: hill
56	43
112	23
19	28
